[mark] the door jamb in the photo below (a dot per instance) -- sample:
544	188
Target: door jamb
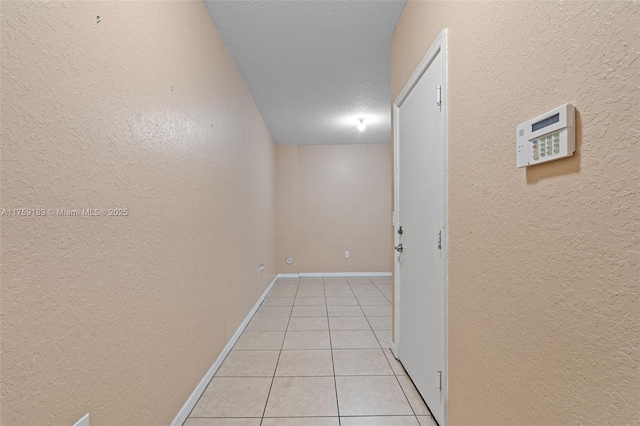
439	45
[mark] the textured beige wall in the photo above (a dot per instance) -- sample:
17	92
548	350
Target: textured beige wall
287	208
122	316
543	262
333	198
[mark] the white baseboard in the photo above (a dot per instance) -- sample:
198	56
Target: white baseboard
336	274
182	415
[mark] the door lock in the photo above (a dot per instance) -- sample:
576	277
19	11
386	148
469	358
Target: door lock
399	248
400	230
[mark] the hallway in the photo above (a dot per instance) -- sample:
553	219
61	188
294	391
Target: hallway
168	167
316	353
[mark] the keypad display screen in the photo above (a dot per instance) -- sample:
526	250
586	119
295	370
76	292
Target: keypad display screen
546	122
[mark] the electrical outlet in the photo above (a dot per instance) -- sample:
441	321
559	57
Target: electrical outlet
346	254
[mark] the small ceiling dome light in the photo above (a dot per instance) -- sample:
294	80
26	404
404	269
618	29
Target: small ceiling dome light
361	125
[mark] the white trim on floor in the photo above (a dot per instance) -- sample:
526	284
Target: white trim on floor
182	415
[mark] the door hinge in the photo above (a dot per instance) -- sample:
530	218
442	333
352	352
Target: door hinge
440	240
439	96
439	380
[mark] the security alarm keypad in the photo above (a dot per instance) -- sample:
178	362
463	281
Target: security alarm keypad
548	137
546	145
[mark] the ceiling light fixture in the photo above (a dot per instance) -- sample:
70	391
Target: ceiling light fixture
361	125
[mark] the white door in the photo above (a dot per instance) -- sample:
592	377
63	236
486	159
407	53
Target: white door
420	207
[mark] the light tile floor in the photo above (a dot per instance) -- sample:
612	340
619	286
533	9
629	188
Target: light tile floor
315	354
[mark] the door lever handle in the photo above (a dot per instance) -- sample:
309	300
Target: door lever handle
399	248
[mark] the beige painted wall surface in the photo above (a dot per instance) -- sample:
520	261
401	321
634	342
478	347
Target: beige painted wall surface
122	316
543	262
287	207
333	198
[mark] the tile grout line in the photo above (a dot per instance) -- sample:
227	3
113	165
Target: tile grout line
392	370
407	398
273	378
376	286
333	365
365	315
385	356
400	384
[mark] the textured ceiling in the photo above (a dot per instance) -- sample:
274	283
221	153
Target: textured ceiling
314	67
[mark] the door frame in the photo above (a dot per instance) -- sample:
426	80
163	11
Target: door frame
439	45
